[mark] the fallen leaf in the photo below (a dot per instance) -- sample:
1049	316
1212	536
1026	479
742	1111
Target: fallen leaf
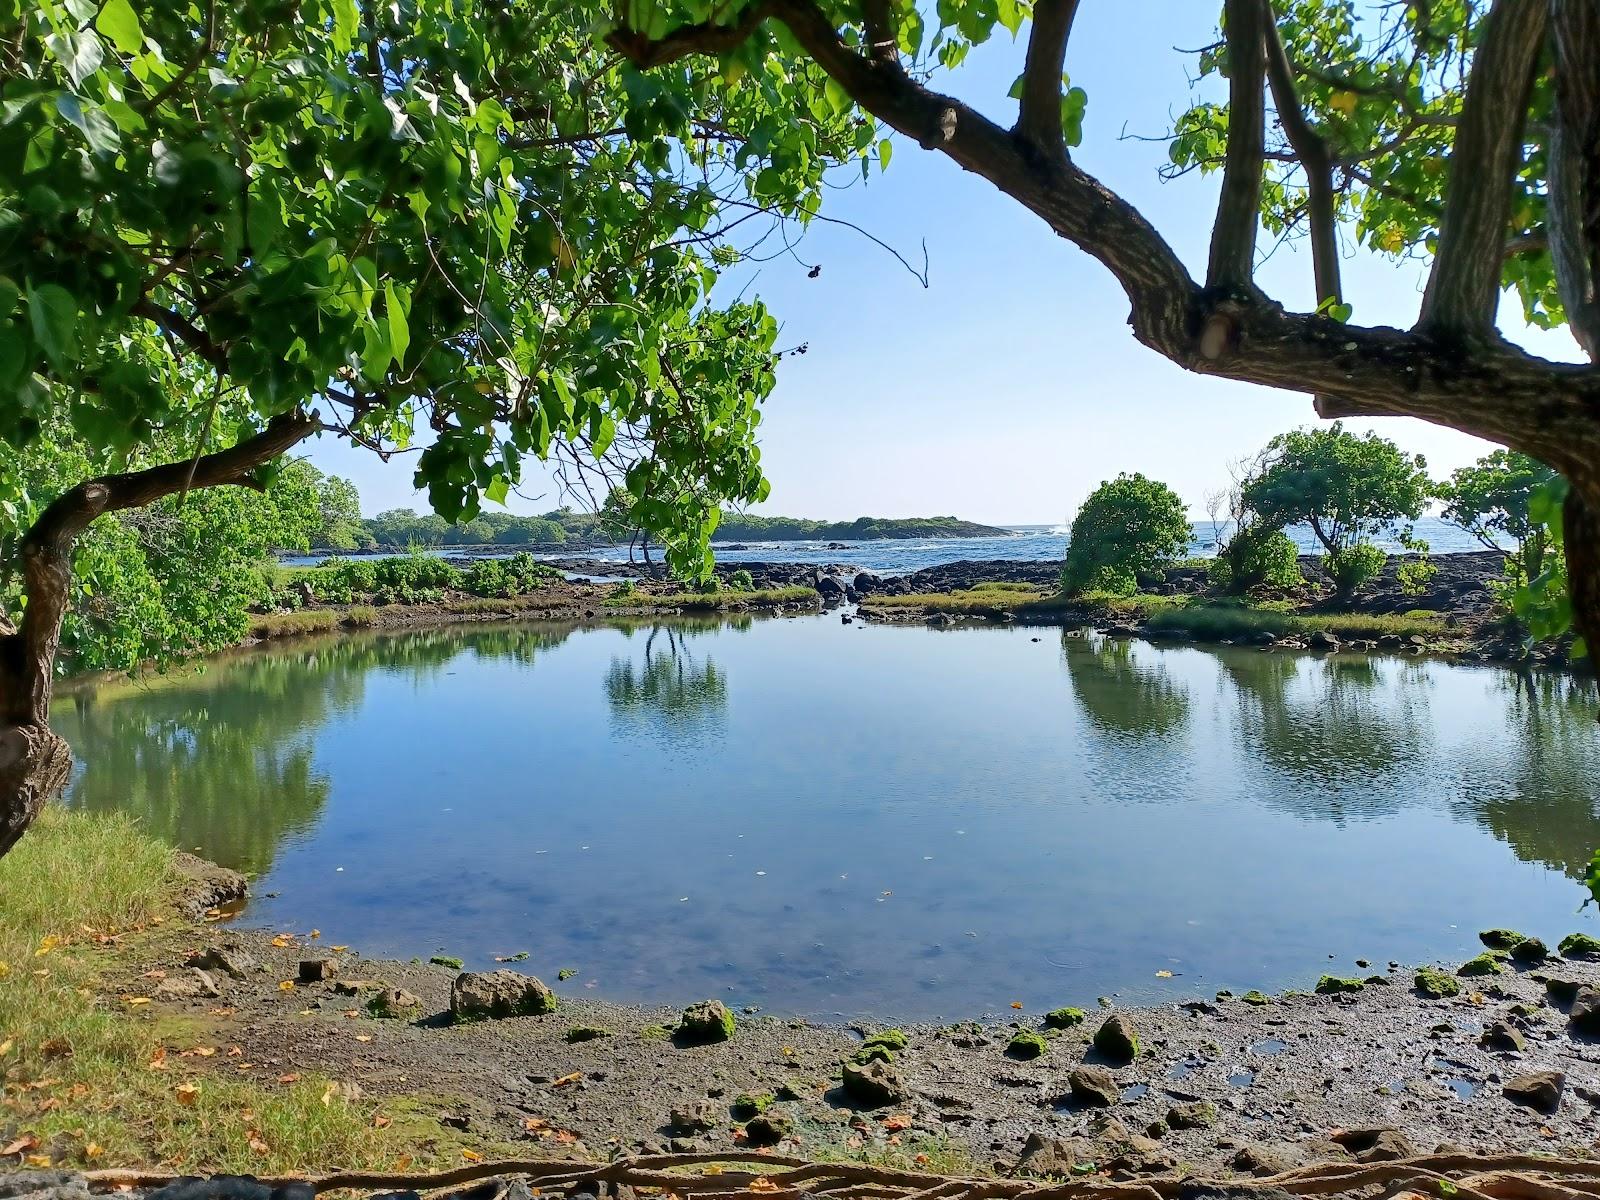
382	1122
289	1078
286	986
472	1156
256	1144
898	1121
316	933
38	1160
338	949
158	1060
1163	974
24	1143
47	945
566	1137
5	1046
1016	1004
403	1163
363	1037
535	1123
282	940
566	1079
187	1093
235	1051
93	1150
921	1160
761	1184
136	1000
204	1051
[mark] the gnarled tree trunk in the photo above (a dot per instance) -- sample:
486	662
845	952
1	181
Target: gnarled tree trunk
35	761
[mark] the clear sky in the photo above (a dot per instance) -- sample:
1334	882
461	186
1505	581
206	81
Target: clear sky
1011	386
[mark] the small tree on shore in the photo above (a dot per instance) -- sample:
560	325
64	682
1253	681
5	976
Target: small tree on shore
1129	526
1492	500
1257	553
1346	488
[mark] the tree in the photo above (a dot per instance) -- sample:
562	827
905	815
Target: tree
1491	499
1257	552
1129	526
1467	132
241	225
1348	489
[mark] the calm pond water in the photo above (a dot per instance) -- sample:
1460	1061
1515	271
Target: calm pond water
829	819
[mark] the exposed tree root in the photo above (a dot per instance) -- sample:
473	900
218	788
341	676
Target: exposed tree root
758	1176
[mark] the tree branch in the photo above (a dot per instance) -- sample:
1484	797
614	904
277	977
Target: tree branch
1039	115
1233	236
704	37
1574	176
883	39
1315	159
47	548
1464	286
185	330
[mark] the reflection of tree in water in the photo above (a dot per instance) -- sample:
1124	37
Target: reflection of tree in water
669	688
1124	688
1534	788
224	758
1342	723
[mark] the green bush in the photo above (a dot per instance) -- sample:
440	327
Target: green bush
1256	556
1129	525
742	581
1353	566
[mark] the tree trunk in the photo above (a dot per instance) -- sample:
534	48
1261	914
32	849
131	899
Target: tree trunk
35	762
1581	525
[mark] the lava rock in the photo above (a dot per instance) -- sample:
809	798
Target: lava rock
1584	1015
317	970
1117	1041
228	960
708	1021
475	995
873	1084
44	1185
1502	1036
1375	1144
207	886
1539	1090
192	984
1093	1086
767	1129
394	1003
697	1116
1530	952
1047	1156
1198	1114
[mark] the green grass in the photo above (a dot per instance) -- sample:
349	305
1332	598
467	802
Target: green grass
293	624
726	598
1212	622
980	599
96	1079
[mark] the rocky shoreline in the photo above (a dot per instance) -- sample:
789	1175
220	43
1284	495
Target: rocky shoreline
1503	1054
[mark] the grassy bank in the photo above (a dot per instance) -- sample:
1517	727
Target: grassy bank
723	598
980	600
1214	622
91	1078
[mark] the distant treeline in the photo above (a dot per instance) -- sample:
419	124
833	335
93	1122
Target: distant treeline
403	527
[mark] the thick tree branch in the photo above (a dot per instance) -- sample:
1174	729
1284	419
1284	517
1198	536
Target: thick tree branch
1233	237
186	331
1039	115
47	551
1464	286
883	38
706	37
1315	160
1574	175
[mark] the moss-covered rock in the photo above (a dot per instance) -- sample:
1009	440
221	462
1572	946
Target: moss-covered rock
894	1039
1501	939
587	1033
1530	952
476	995
394	1003
1025	1043
1332	985
748	1104
708	1021
1436	984
1117	1041
445	960
1488	963
1258	998
1065	1018
1580	945
873	1052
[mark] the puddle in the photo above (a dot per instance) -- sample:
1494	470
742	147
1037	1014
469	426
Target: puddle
1129	1094
1464	1089
1241	1079
1185	1068
1268	1047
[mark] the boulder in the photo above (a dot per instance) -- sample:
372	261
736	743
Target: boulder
1584	1015
44	1185
1321	639
1048	1156
1196	1114
1093	1086
478	994
394	1003
1530	952
318	970
1117	1041
1539	1090
229	961
708	1021
1380	1144
190	984
829	587
1502	1036
866	582
873	1084
696	1116
206	885
767	1129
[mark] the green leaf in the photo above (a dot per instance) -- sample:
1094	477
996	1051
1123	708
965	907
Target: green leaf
398	307
885	149
120	23
1011	13
96	127
53	314
499	487
79	53
346	22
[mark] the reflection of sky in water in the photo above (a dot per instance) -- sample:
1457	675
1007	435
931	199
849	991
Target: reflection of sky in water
824	818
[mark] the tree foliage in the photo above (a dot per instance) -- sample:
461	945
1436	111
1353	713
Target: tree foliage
1128	526
1347	488
1493	500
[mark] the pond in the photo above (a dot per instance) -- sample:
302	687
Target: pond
847	820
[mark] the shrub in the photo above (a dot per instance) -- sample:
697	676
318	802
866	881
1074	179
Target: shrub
742	581
1353	566
1129	525
1256	556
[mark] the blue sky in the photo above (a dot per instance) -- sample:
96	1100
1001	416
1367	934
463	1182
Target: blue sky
1011	386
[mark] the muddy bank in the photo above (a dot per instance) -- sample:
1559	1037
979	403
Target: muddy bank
1249	1084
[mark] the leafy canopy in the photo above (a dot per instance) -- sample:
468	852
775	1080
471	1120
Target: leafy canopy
1493	499
454	214
1128	526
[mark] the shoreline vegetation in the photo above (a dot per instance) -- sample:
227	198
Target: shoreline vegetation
136	1027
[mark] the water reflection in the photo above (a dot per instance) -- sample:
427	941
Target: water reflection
826	818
